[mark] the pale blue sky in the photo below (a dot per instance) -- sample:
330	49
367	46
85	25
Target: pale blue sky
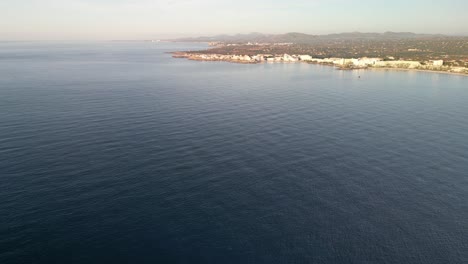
143	19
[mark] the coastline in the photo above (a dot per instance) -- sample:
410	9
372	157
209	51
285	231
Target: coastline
228	58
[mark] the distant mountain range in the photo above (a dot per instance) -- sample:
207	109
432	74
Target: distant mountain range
301	38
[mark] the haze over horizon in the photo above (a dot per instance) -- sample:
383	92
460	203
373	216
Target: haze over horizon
144	19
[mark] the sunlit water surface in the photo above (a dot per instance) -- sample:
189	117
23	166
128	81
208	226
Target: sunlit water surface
115	152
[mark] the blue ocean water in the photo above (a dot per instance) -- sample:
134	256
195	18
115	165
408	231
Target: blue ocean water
114	152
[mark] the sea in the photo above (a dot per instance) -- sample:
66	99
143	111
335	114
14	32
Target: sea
115	152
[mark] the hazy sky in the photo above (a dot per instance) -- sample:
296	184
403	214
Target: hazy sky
144	19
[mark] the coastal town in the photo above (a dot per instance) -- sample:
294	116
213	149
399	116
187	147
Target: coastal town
340	63
389	50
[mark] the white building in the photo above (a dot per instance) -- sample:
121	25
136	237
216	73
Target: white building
289	58
245	58
398	64
342	61
305	57
258	58
437	62
362	62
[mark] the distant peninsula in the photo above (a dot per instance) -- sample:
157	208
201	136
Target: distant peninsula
389	50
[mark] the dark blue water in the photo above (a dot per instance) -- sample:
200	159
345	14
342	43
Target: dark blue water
117	153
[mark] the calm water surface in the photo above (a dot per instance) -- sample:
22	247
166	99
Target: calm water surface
116	153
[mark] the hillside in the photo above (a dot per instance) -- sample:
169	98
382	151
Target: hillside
301	38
